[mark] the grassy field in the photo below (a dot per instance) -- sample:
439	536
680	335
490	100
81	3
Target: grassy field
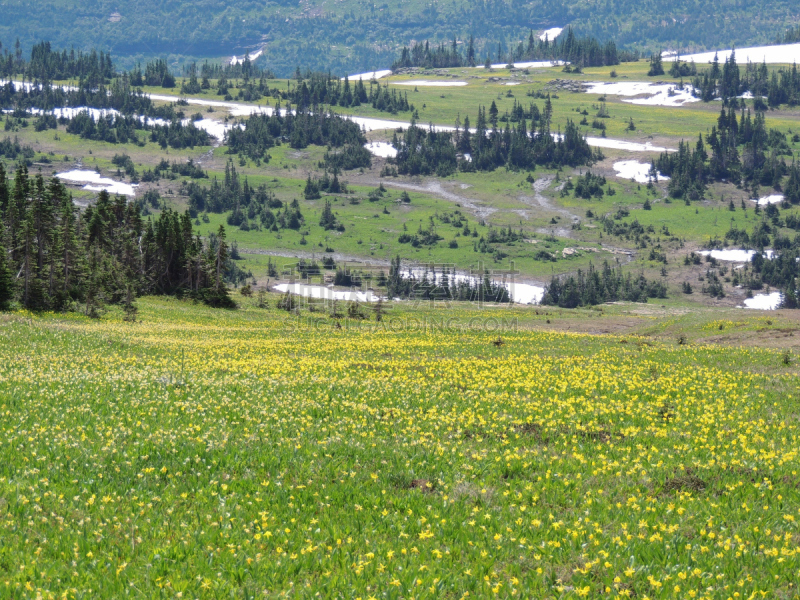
213	454
558	224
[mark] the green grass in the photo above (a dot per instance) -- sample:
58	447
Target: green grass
502	198
201	453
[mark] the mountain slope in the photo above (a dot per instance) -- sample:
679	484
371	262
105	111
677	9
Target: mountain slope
349	35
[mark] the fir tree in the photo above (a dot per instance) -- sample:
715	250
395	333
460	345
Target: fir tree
6	280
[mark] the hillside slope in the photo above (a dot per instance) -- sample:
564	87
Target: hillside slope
349	35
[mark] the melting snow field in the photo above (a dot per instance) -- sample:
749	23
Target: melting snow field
551	33
764	301
633	169
524	293
733	255
521	293
319	292
97	183
252	56
212	127
425	83
787	53
773	199
623	145
381	149
369	76
539	64
653	94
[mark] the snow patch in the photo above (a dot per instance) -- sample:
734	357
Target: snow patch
214	128
426	83
319	292
764	301
538	64
369	76
97	183
624	145
520	293
252	56
772	199
524	293
633	169
786	53
741	256
551	33
381	149
653	94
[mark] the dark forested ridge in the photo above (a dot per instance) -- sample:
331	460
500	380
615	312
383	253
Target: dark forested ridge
362	35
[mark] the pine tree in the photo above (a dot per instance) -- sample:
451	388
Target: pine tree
656	67
6	279
219	293
471	52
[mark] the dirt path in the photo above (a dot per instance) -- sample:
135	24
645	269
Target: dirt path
538	200
298	254
434	188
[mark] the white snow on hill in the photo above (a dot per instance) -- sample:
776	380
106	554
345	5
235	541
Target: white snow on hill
786	53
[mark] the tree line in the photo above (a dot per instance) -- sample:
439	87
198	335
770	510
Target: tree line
53	257
46	64
443	286
118	95
597	287
584	51
251	208
743	151
425	151
298	128
727	81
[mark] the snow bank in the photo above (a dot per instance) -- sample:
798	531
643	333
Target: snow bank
252	56
28	86
319	292
426	83
551	33
96	183
633	169
521	293
653	94
733	255
540	64
787	53
369	76
625	145
772	199
764	301
524	293
381	149
214	128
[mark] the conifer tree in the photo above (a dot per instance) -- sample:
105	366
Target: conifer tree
6	279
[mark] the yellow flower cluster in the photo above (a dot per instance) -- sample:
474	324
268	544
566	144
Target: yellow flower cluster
203	454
